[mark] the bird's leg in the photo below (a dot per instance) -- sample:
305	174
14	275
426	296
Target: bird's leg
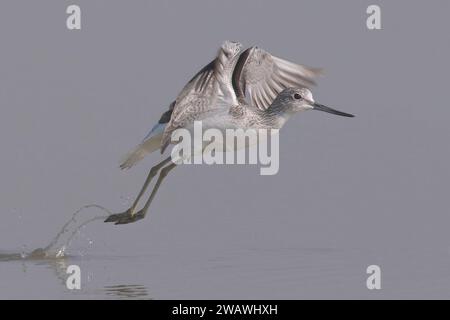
130	214
153	172
141	214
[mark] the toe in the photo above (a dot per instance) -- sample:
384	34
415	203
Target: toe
112	218
118	216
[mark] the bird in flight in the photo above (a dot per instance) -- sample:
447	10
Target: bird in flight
249	89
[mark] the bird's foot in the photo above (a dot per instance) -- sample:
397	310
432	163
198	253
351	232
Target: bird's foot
126	217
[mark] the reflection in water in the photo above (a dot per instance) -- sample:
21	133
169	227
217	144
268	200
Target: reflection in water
13	256
127	291
58	267
59	244
54	257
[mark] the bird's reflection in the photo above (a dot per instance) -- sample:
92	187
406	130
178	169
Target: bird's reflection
126	291
59	266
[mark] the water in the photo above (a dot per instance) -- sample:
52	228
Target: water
62	240
262	271
57	247
223	272
55	257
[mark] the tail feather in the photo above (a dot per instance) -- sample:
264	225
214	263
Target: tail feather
151	143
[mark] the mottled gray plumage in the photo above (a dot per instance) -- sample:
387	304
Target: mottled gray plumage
259	77
253	77
252	89
200	94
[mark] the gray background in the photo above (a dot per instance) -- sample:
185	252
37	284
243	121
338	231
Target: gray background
350	192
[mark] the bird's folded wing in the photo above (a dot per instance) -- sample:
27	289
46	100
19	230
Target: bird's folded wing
259	77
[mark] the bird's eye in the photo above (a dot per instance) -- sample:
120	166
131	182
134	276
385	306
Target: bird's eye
297	96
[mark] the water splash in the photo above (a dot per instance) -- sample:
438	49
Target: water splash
23	252
57	247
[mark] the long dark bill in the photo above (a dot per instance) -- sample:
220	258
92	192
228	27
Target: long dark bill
323	108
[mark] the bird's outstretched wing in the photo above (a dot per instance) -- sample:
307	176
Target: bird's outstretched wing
199	83
200	94
259	77
195	92
195	97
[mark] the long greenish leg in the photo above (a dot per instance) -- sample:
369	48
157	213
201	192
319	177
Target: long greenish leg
162	175
130	212
153	172
141	214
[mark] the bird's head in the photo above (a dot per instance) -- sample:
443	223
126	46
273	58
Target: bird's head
293	100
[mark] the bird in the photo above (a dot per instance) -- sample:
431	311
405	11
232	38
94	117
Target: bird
250	89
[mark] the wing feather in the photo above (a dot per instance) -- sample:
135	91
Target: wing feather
259	77
201	93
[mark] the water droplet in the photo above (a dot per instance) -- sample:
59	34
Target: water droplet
23	252
61	252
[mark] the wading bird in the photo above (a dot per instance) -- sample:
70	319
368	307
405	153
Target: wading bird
249	89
